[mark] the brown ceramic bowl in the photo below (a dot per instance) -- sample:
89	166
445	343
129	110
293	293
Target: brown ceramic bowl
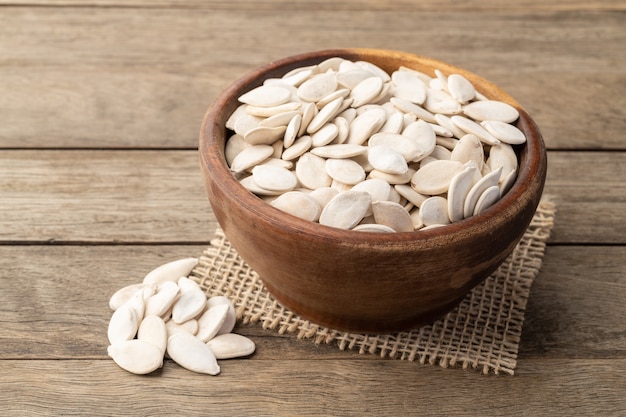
357	281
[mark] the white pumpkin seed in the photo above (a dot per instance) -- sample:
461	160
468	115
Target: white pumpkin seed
377	188
211	321
342	92
469	126
191	301
394	123
507	182
476	191
365	125
469	148
121	296
136	356
308	113
409	86
311	171
246	123
393	178
412	108
291	132
163	300
446	123
298	204
238	113
392	215
435	177
299	147
280	119
343	150
487	199
325	135
441	102
231	345
274	178
505	132
346	209
266	96
459	188
366	91
491	110
191	353
171	271
190	326
434	210
343	129
399	143
249	184
251	156
265	112
441	153
326	113
231	317
460	88
153	330
352	77
373	228
410	194
323	195
448	143
345	171
375	69
502	156
234	146
262	135
317	87
123	324
423	135
387	160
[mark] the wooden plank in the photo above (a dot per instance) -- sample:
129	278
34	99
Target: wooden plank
578	180
158	196
59	310
313	387
575	304
112	196
401	5
103	77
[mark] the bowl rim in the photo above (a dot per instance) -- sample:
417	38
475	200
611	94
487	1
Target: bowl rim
532	153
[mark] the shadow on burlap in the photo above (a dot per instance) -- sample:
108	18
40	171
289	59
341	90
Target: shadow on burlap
482	333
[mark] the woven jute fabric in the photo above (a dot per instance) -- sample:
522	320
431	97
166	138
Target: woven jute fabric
481	333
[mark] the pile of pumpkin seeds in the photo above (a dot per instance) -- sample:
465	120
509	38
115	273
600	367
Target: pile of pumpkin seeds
169	314
348	145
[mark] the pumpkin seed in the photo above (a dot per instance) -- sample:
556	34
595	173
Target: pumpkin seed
231	345
298	204
136	356
191	353
346	209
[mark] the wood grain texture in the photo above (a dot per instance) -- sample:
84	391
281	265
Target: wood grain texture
54	310
102	77
307	388
158	196
357	5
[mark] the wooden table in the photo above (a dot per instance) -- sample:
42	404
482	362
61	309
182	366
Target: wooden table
100	108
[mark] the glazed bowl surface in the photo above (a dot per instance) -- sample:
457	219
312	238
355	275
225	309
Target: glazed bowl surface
359	281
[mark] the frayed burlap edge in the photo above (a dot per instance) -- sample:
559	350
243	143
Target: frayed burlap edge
482	333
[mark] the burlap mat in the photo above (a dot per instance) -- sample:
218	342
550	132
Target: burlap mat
482	333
